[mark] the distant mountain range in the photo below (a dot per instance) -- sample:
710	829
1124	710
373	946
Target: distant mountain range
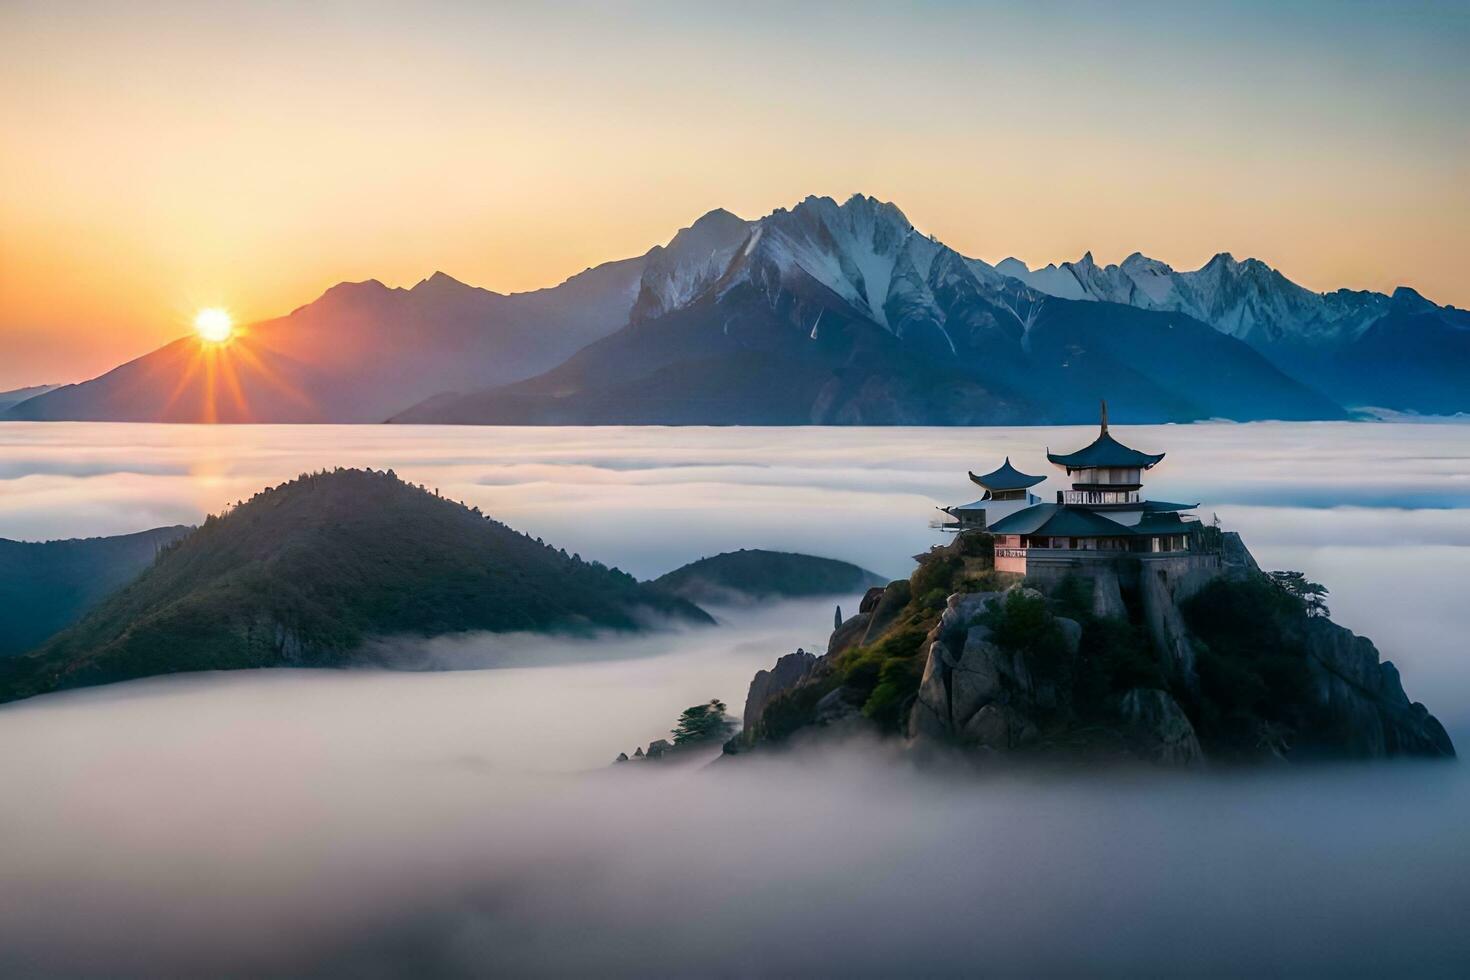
1361	348
825	313
18	395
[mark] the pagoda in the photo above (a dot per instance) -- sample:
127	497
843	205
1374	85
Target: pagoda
1104	515
1007	490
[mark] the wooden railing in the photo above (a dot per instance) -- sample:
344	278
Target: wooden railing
1099	497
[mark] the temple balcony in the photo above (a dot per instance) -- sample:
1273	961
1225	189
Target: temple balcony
1100	498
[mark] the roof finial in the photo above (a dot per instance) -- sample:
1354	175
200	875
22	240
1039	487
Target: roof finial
1104	416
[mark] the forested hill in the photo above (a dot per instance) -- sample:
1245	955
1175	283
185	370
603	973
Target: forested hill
304	573
45	586
750	575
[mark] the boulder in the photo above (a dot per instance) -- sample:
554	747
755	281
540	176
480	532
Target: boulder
961	612
638	753
1158	729
930	715
999	726
848	634
622	757
659	747
766	684
978	678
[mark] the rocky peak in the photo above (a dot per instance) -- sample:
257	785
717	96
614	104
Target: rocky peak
695	258
1407	300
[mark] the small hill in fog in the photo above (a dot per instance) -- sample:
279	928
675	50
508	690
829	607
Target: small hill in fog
304	573
748	576
45	586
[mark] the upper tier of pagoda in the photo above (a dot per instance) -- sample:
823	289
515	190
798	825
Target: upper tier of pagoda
1104	452
1006	477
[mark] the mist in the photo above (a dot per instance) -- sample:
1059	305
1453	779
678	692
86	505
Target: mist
464	823
469	822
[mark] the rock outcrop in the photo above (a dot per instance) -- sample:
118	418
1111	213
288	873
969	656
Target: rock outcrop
1157	729
768	683
1362	701
1208	661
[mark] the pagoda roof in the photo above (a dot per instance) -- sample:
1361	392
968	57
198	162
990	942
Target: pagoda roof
1060	520
1072	521
1155	506
1165	522
1006	477
1104	451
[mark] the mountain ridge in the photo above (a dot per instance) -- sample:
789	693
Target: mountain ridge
860	270
847	314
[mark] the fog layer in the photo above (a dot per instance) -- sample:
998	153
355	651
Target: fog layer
467	823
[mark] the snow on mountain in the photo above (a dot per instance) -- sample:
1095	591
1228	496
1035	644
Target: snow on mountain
1053	280
675	274
868	257
1245	299
852	249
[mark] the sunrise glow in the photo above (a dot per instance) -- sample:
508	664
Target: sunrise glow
214	325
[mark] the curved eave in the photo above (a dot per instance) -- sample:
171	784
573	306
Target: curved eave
1080	460
1104	451
1007	477
1165	505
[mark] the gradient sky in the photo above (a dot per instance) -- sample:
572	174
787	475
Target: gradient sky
161	157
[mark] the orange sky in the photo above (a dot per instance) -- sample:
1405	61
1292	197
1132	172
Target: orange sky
159	158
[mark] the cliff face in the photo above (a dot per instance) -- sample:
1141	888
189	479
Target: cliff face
1181	666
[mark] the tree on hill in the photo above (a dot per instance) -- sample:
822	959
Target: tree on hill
1312	595
703	723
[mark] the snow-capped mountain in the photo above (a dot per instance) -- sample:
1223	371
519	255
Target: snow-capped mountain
824	312
1246	299
675	274
866	257
846	313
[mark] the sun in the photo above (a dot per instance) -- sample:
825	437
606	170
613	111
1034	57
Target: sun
214	325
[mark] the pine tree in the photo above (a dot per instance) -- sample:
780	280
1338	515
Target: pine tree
703	723
1313	595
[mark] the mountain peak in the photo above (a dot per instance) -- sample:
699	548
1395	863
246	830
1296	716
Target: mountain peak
348	295
439	280
1408	300
695	257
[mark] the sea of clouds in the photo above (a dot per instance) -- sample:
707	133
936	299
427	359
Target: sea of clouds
369	823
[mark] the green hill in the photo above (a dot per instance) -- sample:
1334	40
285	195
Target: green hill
745	576
304	573
45	586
